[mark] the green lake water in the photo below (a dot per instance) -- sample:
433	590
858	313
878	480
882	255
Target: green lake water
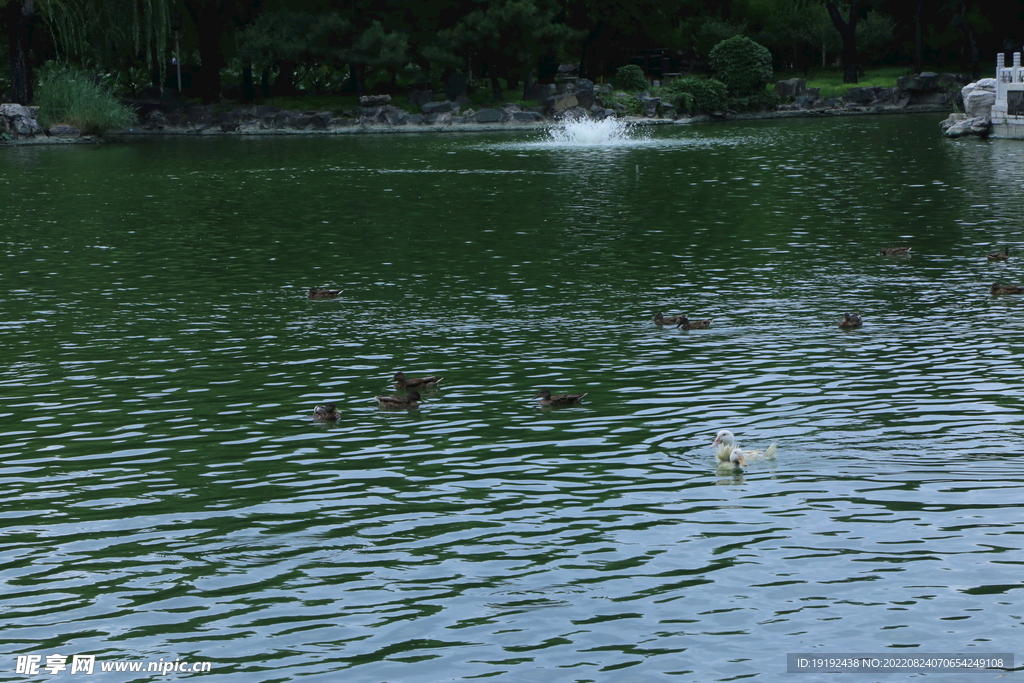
165	493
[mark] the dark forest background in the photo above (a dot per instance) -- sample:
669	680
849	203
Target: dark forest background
249	49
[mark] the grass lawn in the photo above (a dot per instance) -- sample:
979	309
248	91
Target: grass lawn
830	79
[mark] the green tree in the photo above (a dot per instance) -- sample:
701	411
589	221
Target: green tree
507	37
848	32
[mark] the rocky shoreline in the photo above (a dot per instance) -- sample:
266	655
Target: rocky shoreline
926	92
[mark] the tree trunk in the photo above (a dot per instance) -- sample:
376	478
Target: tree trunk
960	20
248	87
208	17
284	84
265	82
918	41
848	31
16	17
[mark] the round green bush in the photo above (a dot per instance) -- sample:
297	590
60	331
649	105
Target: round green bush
631	78
744	66
695	94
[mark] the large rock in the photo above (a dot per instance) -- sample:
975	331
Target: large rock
63	131
491	116
526	116
156	118
558	103
586	98
978	103
440	118
651	105
792	88
374	100
958	125
21	121
860	95
439	107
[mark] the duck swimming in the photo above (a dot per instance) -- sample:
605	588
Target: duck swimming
894	251
1006	289
729	452
1000	255
326	411
546	399
317	293
660	319
402	383
410	401
850	321
687	324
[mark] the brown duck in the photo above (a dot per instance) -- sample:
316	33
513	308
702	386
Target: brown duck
687	324
401	382
410	401
1006	289
660	319
318	293
850	321
1000	255
546	399
894	251
326	411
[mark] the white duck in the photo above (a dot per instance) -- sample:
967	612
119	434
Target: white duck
729	452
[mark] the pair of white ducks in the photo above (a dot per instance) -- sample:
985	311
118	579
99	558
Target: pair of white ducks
729	453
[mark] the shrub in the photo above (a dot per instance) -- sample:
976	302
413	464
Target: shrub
744	66
630	78
67	95
695	94
758	101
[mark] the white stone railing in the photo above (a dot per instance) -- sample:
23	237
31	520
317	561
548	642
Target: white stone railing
1007	78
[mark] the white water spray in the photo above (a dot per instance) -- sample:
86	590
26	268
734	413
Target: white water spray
608	132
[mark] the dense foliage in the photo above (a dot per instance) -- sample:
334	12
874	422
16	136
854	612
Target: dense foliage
696	95
742	65
256	48
70	96
630	78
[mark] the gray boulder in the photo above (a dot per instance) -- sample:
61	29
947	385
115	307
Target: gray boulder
441	118
651	105
860	95
558	103
958	125
439	107
21	121
491	116
792	88
978	103
154	119
374	100
585	98
395	116
526	116
806	101
63	131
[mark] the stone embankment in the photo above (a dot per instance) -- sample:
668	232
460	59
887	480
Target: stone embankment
976	118
160	114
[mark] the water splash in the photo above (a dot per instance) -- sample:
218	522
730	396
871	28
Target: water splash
609	132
